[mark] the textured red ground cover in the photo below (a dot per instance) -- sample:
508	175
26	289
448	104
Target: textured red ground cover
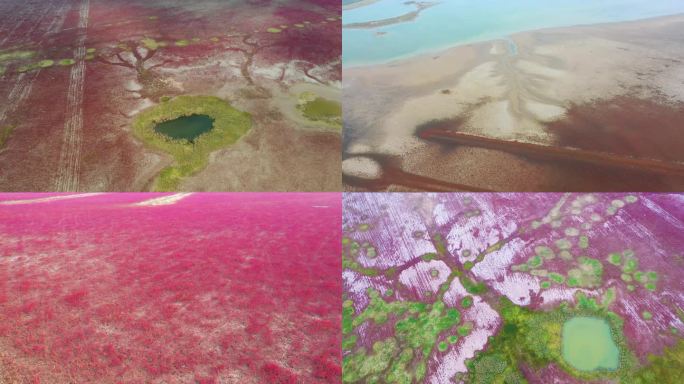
217	288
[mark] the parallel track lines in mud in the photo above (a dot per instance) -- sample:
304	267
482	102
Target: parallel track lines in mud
32	14
70	157
20	91
58	21
556	153
19	18
24	84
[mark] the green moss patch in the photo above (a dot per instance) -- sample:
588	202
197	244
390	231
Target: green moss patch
229	125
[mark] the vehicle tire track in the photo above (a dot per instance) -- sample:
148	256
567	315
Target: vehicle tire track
69	162
24	84
19	93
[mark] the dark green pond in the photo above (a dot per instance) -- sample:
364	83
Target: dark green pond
186	127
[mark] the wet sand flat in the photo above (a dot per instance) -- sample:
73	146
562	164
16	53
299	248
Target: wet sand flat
615	90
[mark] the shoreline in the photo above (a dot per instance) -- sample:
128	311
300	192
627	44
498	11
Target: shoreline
358	4
611	90
429	53
406	17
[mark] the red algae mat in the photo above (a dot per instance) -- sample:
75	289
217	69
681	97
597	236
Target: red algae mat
159	288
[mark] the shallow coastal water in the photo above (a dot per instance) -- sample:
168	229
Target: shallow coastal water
456	22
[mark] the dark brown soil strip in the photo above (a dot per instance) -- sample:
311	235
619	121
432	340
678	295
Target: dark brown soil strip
553	152
624	125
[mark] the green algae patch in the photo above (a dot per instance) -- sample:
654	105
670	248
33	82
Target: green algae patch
316	108
587	344
182	43
229	124
274	30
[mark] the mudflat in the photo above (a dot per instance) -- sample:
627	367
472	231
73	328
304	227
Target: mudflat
529	112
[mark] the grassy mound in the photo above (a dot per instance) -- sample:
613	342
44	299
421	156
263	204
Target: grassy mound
229	125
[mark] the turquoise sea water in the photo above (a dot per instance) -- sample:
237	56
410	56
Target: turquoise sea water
453	22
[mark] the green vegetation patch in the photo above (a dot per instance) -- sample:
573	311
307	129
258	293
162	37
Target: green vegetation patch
535	339
316	108
557	278
229	125
5	132
544	252
663	369
588	274
16	55
615	258
66	62
46	63
563	244
417	327
150	43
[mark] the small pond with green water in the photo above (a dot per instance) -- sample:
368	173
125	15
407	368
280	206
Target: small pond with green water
587	344
185	127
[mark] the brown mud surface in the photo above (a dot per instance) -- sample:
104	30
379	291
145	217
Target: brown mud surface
584	108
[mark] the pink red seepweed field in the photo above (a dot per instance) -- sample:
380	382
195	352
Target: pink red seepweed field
158	288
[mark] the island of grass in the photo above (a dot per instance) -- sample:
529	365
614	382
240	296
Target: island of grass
316	108
229	124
